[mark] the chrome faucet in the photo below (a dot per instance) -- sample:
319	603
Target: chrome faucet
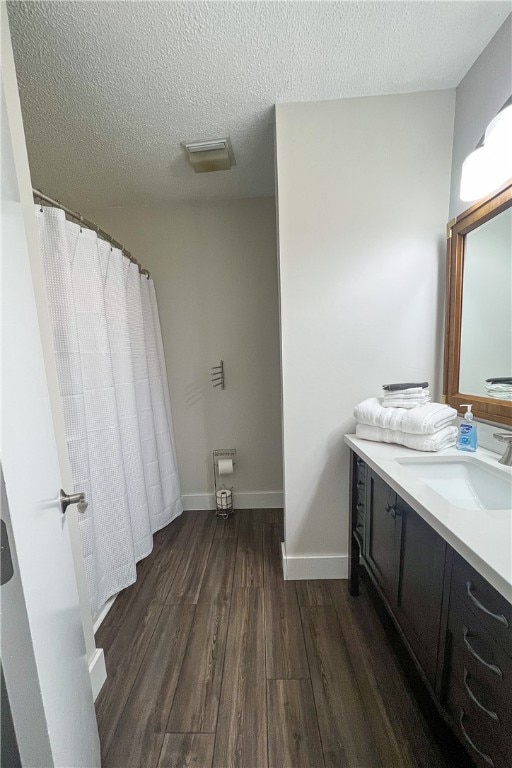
505	437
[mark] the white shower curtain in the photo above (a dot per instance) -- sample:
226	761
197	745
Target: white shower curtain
114	390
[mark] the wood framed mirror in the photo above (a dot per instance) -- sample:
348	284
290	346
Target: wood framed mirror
478	334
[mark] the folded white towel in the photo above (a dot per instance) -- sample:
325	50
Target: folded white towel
412	392
444	438
498	387
411	403
424	420
500	395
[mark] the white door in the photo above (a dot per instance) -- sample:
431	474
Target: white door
61	686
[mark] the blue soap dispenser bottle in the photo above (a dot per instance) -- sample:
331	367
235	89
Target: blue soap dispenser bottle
467	438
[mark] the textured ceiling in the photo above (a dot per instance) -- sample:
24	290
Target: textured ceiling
110	89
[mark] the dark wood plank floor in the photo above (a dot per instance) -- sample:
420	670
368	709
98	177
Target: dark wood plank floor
214	661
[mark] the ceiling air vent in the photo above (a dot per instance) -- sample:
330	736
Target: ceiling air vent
208	156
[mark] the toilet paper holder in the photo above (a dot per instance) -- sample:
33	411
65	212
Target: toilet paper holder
223	501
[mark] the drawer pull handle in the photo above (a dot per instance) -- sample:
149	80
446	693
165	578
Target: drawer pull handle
359	525
498	616
474	699
492	667
360	505
360	483
471	743
360	463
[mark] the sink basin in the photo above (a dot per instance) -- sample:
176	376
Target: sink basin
466	482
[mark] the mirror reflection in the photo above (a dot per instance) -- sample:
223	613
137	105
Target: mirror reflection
486	322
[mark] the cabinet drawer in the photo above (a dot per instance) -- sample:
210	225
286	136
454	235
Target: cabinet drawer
360	466
360	475
489	606
486	744
359	517
360	505
482	672
359	485
360	491
359	500
359	534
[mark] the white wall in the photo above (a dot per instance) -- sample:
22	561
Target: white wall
479	97
363	203
215	271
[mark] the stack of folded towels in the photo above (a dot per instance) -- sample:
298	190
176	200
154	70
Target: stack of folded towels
408	395
500	388
406	416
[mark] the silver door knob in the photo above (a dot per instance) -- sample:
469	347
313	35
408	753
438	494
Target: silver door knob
72	498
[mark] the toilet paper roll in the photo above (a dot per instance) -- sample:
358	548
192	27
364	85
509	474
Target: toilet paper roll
225	466
224	499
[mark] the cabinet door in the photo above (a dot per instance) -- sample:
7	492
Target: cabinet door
382	535
420	587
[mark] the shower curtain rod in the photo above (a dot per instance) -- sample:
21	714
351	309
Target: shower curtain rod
91	225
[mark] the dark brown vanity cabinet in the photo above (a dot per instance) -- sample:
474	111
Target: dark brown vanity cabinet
406	559
477	666
359	486
457	627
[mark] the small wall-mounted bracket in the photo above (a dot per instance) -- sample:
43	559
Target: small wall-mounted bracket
217	375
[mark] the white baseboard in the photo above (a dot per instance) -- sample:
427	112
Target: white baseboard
283	560
100	618
97	672
97	668
242	500
314	566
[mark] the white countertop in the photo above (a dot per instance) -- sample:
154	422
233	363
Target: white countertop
482	537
